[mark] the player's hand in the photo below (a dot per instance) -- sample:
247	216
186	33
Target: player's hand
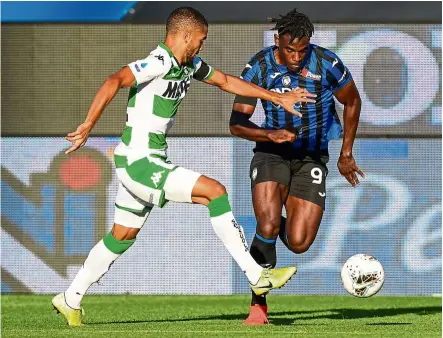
289	99
78	138
348	168
281	136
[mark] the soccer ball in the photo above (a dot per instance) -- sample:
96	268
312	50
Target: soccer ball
362	275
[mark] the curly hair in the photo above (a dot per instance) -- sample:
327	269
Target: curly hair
295	23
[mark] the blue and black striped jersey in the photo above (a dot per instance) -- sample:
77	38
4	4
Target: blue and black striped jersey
322	73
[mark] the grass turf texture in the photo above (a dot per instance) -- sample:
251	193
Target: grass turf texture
222	316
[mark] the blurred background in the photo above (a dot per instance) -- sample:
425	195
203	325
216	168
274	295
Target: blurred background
54	207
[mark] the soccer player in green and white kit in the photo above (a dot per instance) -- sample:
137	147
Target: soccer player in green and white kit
147	178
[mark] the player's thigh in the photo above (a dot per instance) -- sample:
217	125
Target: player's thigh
157	181
268	199
308	181
306	202
270	178
269	168
180	183
130	211
145	178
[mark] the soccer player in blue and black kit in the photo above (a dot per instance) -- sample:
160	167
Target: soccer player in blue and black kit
289	164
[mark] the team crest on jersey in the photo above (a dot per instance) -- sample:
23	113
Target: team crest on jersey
186	71
254	174
286	81
306	73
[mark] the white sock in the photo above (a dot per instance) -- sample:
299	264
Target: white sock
96	265
233	237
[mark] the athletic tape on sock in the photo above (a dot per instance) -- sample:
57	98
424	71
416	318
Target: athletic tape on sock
266	240
219	206
116	246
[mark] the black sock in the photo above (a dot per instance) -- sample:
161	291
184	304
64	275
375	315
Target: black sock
264	253
282	234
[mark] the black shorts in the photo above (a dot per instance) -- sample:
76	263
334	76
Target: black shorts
305	177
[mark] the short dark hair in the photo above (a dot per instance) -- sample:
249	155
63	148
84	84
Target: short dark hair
184	18
295	23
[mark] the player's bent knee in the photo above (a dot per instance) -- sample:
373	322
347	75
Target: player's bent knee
268	229
299	249
268	224
206	190
298	246
217	190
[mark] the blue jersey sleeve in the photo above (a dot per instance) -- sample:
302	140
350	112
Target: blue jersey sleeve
337	75
250	74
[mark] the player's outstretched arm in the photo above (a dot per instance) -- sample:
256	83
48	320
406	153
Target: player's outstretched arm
235	85
122	79
350	98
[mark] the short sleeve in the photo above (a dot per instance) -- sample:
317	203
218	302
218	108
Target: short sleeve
156	64
338	75
202	71
249	74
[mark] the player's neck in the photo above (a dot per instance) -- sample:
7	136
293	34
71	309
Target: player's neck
176	48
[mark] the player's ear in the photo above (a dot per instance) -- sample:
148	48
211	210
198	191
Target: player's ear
276	40
187	37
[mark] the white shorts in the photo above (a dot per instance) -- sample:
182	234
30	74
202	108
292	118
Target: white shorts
148	182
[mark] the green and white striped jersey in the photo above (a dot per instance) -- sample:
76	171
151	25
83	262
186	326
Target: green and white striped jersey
161	84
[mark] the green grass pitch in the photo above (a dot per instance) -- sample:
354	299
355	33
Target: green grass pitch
221	316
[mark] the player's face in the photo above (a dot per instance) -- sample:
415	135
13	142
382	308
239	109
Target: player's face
292	53
195	43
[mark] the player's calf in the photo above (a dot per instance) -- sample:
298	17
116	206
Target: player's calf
98	262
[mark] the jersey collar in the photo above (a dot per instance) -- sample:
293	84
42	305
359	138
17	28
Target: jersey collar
166	48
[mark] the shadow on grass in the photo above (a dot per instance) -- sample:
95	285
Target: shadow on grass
276	317
388	324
